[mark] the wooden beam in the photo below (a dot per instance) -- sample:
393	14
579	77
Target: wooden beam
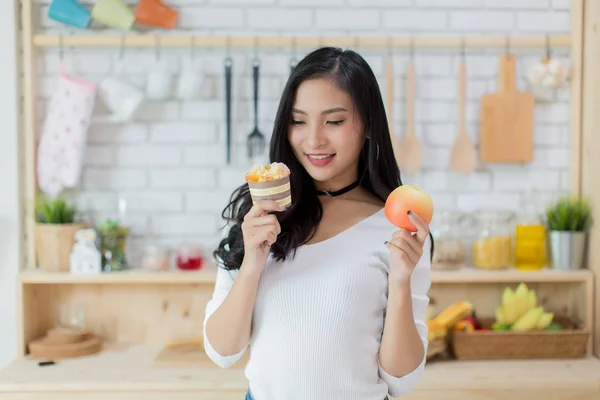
576	56
144	40
590	140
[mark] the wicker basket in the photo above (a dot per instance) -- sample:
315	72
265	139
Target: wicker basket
53	245
490	345
436	347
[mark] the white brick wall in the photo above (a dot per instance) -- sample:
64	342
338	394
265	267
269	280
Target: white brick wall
169	163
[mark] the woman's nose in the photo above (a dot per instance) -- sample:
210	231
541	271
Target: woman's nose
316	137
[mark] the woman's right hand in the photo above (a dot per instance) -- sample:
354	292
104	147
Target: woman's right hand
260	230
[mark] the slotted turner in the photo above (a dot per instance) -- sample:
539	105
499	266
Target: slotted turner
256	140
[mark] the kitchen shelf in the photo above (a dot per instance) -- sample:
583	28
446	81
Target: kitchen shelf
474	275
130	372
207	276
186	40
204	276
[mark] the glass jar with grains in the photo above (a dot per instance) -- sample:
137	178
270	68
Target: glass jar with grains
492	247
449	247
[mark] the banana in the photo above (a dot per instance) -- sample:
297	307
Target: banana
511	315
545	320
507	296
521	300
532	300
521	311
528	321
500	316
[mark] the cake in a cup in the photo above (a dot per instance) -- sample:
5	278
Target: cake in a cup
270	182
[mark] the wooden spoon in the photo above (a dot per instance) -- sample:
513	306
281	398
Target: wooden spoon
389	72
462	154
412	154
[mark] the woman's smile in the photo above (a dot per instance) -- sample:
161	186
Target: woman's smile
320	160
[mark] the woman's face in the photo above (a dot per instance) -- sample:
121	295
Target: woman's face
326	133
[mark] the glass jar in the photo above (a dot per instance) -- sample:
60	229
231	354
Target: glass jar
530	234
189	257
492	247
449	247
155	258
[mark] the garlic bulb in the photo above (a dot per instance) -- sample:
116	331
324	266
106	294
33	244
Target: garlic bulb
549	74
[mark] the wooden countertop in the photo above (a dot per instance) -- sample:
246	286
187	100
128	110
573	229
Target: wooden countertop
131	369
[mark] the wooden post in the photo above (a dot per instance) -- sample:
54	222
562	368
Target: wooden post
576	56
29	130
590	139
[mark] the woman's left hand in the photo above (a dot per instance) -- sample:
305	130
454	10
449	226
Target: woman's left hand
406	249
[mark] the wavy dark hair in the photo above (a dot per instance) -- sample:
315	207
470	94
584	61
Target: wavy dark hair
381	175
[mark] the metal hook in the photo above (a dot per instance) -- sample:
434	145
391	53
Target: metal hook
122	48
293	60
192	48
60	48
256	60
548	52
228	59
157	47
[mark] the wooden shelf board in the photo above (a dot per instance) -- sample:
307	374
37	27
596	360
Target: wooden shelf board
474	275
204	276
132	369
207	276
183	39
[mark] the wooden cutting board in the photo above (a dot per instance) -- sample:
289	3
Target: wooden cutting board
507	118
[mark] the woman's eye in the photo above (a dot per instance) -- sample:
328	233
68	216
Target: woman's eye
296	122
336	122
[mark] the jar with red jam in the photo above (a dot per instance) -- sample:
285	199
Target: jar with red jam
189	258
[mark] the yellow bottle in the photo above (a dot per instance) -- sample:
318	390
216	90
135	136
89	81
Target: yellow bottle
530	236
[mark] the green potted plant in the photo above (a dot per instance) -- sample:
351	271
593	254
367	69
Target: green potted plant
55	232
568	220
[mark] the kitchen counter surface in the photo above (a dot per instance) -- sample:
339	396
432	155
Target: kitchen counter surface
130	373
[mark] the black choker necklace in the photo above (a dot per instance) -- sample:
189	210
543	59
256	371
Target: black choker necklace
343	190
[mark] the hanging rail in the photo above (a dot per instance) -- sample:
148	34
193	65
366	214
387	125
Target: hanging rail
150	40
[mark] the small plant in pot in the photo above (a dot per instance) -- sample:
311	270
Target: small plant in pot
55	232
568	220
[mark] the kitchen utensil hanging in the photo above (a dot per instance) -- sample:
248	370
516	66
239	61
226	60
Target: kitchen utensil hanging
462	154
256	140
410	149
546	77
228	71
389	92
507	118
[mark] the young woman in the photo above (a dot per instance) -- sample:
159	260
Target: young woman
328	294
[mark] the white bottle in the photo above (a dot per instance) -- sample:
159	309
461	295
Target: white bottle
85	257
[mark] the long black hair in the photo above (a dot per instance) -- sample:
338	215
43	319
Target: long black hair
352	74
